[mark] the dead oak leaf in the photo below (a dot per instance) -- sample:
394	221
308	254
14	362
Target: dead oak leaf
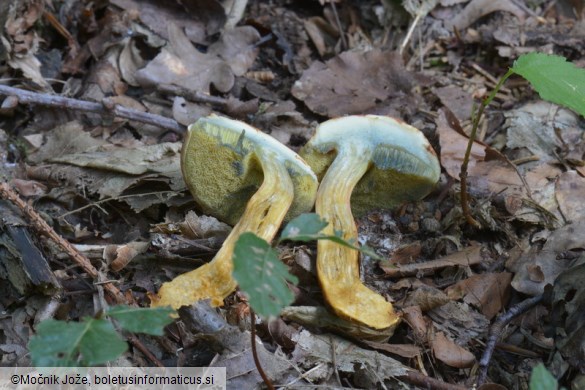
353	82
450	353
535	268
181	64
489	292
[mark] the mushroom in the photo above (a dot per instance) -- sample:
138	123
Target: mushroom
378	162
236	172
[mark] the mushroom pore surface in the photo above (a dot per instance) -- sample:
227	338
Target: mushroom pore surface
220	165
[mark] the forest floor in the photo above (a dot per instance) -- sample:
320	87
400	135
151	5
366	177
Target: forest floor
107	179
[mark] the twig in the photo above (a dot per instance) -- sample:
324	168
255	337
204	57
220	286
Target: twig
194	96
496	331
145	351
265	378
99	202
334	362
106	107
42	227
339	26
418	379
409	33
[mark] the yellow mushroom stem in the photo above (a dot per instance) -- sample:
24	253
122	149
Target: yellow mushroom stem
263	216
337	265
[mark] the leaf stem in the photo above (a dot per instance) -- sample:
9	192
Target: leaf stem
265	378
463	174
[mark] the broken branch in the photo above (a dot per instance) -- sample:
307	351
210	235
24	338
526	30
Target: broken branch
106	107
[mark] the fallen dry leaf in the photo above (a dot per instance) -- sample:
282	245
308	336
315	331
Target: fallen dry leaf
541	180
181	64
457	100
459	321
92	165
187	113
21	41
119	256
237	48
332	88
450	353
426	297
65	139
568	300
488	292
314	349
203	226
284	122
157	15
569	193
534	126
453	146
322	34
419	324
535	269
478	8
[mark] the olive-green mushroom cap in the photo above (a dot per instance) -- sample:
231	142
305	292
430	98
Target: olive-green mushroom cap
221	168
403	168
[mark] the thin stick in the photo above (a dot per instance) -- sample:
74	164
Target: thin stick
99	202
106	107
418	379
142	348
409	33
338	22
334	362
496	332
265	378
42	227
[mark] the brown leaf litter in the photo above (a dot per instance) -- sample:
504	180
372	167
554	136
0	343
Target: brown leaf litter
113	186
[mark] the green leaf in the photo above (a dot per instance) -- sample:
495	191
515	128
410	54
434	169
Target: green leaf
555	79
54	344
87	343
101	343
305	227
541	379
261	275
142	320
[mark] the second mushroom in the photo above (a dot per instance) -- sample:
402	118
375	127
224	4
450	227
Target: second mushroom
378	162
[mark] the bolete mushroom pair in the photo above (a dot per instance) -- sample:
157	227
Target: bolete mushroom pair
375	161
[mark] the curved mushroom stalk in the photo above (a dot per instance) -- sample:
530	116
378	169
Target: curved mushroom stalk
224	162
337	265
386	162
263	215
